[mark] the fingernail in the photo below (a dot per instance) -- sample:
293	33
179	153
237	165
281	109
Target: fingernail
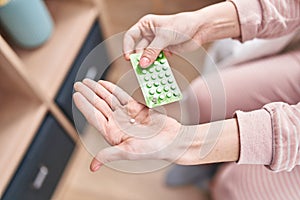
96	167
127	56
144	62
76	85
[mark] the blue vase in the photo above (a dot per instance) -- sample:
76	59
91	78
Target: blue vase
27	22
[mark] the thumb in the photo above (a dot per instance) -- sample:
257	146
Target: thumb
105	156
152	51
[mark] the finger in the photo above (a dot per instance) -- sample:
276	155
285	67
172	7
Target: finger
92	115
132	106
118	92
94	99
152	51
142	115
105	156
141	45
102	92
129	41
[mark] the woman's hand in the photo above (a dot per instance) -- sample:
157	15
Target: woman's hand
135	131
180	32
138	133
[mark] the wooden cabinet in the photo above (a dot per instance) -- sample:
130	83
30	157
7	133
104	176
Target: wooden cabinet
29	89
43	164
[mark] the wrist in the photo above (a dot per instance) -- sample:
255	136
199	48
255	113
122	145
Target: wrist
218	21
208	143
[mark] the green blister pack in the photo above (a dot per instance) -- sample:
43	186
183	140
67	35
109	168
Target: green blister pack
157	81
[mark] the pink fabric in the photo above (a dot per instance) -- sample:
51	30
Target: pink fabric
255	182
255	148
267	18
286	135
271	18
270	135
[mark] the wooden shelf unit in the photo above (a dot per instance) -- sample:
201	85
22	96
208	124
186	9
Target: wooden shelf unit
31	79
49	63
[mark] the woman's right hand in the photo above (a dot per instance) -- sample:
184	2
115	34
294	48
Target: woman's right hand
180	32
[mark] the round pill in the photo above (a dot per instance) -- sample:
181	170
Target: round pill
176	94
151	70
144	71
169	95
156	62
153	77
156	84
166	88
170	80
164	67
161	96
160	75
132	121
163	62
163	82
158	90
158	68
146	78
149	85
151	91
168	74
160	55
154	100
173	87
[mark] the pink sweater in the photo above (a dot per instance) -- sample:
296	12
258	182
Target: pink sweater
270	136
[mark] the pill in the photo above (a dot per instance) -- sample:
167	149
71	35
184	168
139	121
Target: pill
151	92
153	77
166	88
132	121
160	75
170	80
163	82
163	62
156	84
149	85
169	95
160	55
158	90
168	74
146	78
161	96
176	94
144	71
151	70
156	63
154	100
158	68
173	87
164	67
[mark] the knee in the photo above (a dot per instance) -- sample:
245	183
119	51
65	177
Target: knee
197	102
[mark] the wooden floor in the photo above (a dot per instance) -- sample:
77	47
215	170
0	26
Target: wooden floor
78	182
108	184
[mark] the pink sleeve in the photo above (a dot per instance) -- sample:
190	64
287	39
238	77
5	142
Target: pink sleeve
270	136
267	18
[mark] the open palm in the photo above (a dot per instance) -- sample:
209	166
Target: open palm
133	130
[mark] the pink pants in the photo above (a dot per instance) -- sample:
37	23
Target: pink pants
247	87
